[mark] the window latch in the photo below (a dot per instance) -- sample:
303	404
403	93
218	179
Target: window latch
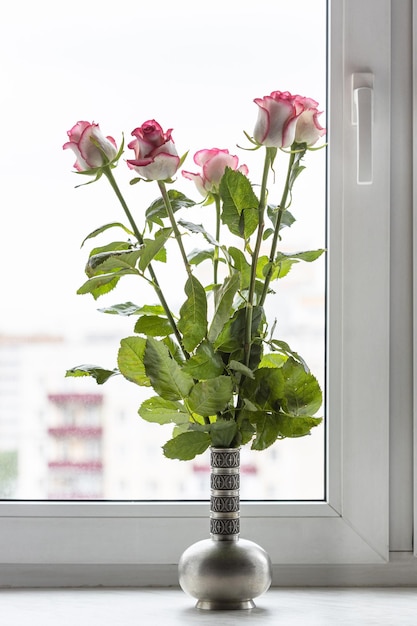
362	118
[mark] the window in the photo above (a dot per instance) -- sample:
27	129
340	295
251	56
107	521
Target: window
39	343
363	531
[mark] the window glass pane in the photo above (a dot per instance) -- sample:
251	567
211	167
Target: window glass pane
196	68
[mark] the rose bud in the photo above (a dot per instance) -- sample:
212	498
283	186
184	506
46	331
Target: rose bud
213	164
156	157
308	129
284	118
90	146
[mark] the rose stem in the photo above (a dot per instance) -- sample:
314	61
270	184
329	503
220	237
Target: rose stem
107	171
255	256
282	207
177	233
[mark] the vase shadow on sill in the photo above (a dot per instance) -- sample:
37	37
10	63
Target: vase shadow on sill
192	614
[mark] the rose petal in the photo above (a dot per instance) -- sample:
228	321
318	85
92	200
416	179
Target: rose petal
198	180
161	167
214	168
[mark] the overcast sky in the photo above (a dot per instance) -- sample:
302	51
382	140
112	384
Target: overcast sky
192	68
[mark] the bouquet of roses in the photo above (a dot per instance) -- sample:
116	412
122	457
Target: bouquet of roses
219	374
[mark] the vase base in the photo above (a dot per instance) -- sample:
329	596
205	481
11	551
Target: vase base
225	575
217	605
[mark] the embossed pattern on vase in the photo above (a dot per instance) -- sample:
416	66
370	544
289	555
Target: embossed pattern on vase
225	499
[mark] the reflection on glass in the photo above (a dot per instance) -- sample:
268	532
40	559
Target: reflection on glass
194	69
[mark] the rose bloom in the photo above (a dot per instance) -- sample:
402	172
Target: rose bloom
156	157
90	146
213	164
308	129
284	118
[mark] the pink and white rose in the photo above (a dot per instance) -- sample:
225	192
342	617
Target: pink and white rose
284	118
213	164
308	129
90	146
156	157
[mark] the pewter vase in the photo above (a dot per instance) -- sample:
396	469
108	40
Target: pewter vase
225	572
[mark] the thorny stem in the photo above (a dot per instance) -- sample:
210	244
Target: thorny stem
107	171
282	207
216	249
177	233
255	257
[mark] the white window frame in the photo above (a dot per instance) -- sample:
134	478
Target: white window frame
361	534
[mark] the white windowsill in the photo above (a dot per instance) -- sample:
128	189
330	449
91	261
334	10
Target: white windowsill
172	607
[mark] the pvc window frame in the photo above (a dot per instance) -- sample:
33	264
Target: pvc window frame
345	538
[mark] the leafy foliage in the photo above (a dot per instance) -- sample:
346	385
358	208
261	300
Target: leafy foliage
220	375
95	371
193	314
157	210
240	204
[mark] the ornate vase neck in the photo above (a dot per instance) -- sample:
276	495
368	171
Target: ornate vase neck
225	501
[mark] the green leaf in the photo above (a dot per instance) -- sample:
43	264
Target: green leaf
157	211
232	336
102	284
250	221
284	262
287	218
266	389
283	348
195	257
225	299
236	190
106	262
240	204
280	269
290	426
131	360
198	229
153	325
301	394
261	265
163	411
100	374
129	308
193	314
166	375
239	367
152	247
246	431
175	350
152	309
222	433
297	168
211	396
272	360
205	363
114	246
267	430
308	255
102	229
182	159
187	446
242	266
179	429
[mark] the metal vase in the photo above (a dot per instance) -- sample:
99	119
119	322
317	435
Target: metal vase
225	572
